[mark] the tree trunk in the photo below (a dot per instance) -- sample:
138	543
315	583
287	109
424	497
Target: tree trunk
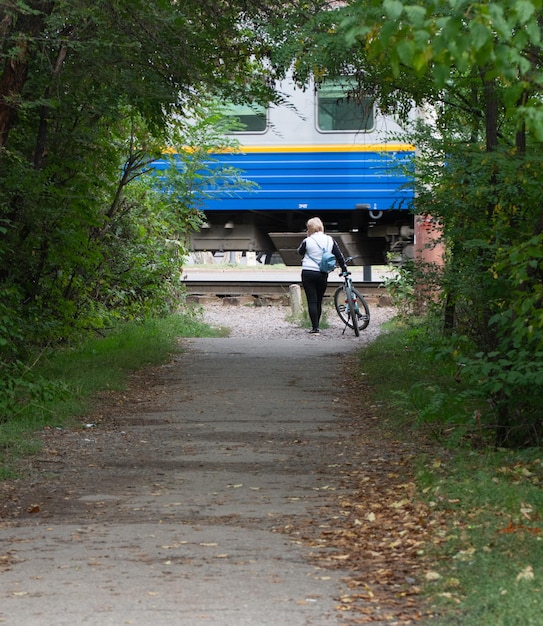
449	314
41	140
15	70
491	115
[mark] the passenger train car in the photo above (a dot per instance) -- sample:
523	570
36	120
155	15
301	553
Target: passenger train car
320	154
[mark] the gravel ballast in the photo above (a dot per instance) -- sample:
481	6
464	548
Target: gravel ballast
275	321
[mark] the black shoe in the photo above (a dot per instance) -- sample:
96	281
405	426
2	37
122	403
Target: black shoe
314	331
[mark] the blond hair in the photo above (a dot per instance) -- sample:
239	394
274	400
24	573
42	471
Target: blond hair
314	225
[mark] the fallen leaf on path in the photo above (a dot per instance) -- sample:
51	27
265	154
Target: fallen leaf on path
526	574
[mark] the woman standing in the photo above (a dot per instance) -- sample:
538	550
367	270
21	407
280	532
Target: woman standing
313	280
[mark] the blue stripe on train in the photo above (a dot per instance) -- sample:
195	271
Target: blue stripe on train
314	181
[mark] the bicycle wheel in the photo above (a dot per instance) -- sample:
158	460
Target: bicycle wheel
362	310
340	302
352	311
345	307
342	308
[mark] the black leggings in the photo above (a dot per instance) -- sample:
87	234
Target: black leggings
315	287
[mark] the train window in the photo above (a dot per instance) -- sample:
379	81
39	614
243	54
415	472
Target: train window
340	110
248	118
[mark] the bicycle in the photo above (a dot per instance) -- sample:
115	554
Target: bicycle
350	305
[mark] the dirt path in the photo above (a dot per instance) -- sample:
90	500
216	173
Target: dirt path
225	488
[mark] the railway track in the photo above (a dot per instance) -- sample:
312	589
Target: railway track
236	287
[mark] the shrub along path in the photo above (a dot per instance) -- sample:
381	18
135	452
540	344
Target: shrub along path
244	482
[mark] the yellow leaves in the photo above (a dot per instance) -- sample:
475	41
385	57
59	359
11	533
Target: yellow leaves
526	574
465	555
6	561
519	472
174	545
449	596
526	510
379	535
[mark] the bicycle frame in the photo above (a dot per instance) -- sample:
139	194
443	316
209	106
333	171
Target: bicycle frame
350	305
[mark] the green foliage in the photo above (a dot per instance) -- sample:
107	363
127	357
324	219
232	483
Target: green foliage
10	327
445	40
56	259
21	390
116	249
400	286
119	259
91	94
490	287
422	383
460	393
511	371
487	294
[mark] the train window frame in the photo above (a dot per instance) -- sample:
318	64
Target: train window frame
249	112
336	96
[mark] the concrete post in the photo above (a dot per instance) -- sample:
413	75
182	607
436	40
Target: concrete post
251	258
295	300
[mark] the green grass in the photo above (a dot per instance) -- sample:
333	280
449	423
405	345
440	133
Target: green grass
487	504
98	364
303	320
490	558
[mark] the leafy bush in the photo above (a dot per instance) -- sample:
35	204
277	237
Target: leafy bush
510	372
22	390
400	286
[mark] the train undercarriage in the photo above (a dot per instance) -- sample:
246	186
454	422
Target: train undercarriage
374	237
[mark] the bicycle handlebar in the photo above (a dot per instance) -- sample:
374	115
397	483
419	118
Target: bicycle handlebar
352	258
348	260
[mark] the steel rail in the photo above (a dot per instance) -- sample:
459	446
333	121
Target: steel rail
232	288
